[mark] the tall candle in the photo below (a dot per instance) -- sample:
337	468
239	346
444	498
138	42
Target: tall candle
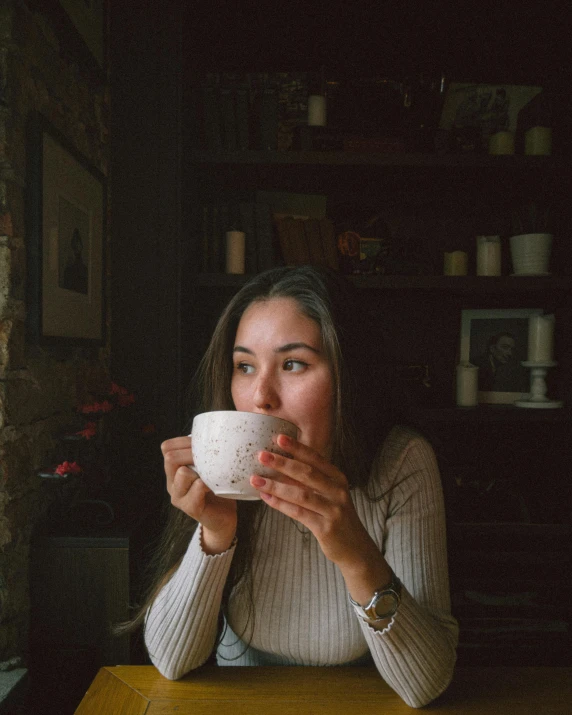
455	263
488	256
467	384
540	338
316	110
501	143
538	141
235	251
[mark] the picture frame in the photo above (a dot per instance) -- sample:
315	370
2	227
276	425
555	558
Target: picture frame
82	30
473	112
88	18
496	340
65	232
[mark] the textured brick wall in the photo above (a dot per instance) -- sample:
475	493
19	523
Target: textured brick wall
38	386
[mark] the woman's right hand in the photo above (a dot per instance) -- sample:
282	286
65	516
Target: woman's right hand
192	496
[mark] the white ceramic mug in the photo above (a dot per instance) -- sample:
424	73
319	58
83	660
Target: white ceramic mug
226	445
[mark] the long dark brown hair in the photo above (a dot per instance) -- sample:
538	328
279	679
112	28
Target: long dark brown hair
361	410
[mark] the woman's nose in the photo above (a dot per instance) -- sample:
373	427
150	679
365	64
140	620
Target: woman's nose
266	395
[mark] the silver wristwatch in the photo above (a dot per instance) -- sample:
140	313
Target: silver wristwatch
384	603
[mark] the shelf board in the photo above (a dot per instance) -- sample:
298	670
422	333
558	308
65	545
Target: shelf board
343	158
459	285
488	414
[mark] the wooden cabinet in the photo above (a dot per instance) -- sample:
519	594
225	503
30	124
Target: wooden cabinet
79	589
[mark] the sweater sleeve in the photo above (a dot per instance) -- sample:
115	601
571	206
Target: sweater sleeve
416	652
181	623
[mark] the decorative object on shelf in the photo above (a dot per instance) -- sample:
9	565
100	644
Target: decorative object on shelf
472	113
539	361
455	263
363	244
66	218
530	254
108	436
534	125
467	385
538	141
501	143
531	242
317	110
541	338
235	243
538	389
488	256
496	341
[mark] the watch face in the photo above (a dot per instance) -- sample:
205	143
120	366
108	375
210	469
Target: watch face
386	604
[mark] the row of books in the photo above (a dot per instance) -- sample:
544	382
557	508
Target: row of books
270	240
247	111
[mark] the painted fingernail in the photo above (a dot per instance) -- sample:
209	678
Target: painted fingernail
266	457
257	481
284	440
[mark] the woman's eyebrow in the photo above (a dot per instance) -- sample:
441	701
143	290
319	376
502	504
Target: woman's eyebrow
241	349
282	349
294	346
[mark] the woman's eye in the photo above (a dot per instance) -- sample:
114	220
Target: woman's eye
245	368
295	365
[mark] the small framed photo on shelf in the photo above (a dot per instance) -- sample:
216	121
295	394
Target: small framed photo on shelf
473	112
496	341
65	216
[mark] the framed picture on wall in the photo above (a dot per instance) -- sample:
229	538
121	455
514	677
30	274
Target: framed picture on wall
65	214
88	19
497	342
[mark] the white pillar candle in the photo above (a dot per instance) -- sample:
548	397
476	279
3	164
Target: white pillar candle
501	143
455	263
538	141
235	251
540	338
467	384
316	110
488	256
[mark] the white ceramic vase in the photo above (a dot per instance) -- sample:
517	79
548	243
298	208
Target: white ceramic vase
530	254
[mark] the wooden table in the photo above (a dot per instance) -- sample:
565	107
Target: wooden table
211	690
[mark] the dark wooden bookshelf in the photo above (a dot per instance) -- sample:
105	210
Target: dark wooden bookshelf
459	285
346	158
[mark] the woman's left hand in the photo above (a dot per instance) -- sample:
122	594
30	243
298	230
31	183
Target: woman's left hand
314	492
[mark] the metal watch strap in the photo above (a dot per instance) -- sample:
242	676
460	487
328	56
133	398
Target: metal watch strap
368	612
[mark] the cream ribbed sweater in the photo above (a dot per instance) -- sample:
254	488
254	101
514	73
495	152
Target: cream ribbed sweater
302	615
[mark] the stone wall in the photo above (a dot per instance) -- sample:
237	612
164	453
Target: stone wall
39	387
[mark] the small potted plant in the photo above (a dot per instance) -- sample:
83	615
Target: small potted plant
531	242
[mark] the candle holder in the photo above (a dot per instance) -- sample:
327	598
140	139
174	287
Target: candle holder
538	389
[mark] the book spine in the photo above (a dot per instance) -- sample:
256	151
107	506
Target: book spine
242	118
269	120
248	226
329	245
314	241
264	236
228	119
211	119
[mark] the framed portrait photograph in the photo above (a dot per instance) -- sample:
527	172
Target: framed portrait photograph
65	215
496	341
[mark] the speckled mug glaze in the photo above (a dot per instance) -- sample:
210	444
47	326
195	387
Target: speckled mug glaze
226	445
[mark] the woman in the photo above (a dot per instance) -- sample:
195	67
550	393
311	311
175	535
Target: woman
344	558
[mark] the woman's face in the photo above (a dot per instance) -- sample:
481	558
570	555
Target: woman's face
279	369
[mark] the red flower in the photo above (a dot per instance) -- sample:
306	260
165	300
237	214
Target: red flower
68	468
125	399
89	431
117	389
105	406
